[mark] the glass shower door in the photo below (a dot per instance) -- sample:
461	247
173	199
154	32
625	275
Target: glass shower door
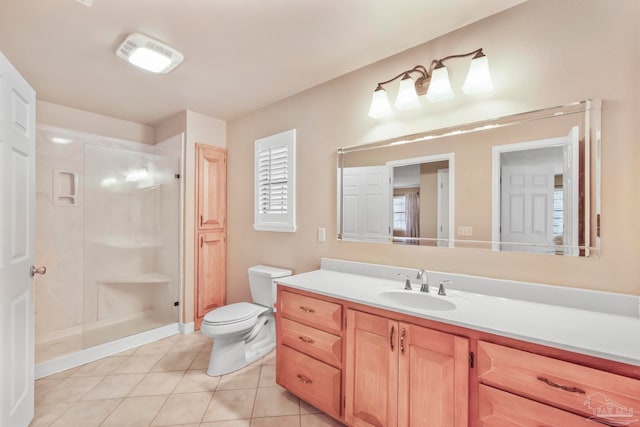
132	232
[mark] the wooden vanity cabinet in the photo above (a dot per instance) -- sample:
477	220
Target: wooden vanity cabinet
520	386
400	374
309	349
367	366
210	232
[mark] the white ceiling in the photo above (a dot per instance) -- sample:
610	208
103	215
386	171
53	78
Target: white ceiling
240	55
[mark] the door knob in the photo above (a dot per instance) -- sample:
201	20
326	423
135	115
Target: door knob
37	270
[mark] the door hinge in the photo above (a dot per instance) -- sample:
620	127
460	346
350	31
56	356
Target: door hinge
176	176
177	303
345	322
344	402
472	359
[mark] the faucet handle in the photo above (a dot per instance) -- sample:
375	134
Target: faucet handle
441	290
407	282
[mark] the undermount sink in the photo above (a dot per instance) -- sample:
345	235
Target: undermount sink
419	300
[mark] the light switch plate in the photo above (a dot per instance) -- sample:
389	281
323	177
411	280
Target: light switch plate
322	235
87	3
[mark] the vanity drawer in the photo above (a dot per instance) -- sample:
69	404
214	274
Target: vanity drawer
309	379
499	409
311	311
314	342
558	383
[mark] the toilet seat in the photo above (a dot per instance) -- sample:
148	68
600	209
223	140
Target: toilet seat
232	319
233	313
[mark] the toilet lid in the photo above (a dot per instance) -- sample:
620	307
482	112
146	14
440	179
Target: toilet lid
233	313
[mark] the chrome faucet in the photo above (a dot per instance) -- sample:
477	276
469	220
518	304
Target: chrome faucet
441	290
422	275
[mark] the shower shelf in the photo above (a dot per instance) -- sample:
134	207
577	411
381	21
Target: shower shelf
143	278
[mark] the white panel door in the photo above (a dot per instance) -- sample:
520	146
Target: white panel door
366	205
527	208
17	212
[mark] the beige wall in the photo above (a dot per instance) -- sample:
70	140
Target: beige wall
198	129
542	53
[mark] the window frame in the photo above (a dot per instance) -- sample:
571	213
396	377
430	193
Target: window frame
270	221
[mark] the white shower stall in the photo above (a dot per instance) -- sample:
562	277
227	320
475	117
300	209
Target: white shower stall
108	228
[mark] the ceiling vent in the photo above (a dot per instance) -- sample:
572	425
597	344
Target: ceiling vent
149	54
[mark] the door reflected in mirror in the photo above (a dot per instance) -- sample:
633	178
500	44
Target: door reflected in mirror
536	195
527	182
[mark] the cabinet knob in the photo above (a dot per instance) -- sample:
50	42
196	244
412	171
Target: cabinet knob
307	309
391	338
304	379
402	334
305	340
560	386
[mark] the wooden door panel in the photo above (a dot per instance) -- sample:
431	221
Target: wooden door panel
211	280
211	188
371	370
433	378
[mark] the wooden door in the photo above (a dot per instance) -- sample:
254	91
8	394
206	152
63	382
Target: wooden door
211	279
17	254
371	370
433	384
211	188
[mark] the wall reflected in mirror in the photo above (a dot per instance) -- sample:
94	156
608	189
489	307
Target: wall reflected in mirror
527	183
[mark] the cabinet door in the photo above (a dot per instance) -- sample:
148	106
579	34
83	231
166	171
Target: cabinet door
211	188
371	370
212	277
433	385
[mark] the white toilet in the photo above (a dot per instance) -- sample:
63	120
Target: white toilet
244	332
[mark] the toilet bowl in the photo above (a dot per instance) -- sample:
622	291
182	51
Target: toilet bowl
244	332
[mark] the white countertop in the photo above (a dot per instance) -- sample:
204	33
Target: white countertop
594	333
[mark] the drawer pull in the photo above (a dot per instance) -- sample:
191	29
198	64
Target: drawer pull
402	334
391	338
561	387
304	379
307	309
305	340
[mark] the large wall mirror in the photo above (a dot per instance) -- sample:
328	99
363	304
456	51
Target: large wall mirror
529	182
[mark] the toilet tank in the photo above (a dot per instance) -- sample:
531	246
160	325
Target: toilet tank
261	280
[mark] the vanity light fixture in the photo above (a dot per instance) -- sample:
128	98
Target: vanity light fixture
433	83
149	54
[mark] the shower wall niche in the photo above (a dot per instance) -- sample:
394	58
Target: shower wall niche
108	229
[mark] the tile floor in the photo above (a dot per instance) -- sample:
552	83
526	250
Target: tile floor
165	384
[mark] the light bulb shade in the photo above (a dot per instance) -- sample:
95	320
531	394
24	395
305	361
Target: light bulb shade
380	106
439	88
407	95
479	77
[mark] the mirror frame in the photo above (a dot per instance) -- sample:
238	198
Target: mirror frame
591	108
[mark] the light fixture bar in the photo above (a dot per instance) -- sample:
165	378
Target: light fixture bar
434	82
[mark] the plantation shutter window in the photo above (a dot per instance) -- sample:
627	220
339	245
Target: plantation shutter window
274	205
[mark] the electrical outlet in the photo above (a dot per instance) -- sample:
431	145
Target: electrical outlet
87	3
466	230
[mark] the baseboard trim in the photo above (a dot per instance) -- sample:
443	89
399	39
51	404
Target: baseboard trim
87	355
187	328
